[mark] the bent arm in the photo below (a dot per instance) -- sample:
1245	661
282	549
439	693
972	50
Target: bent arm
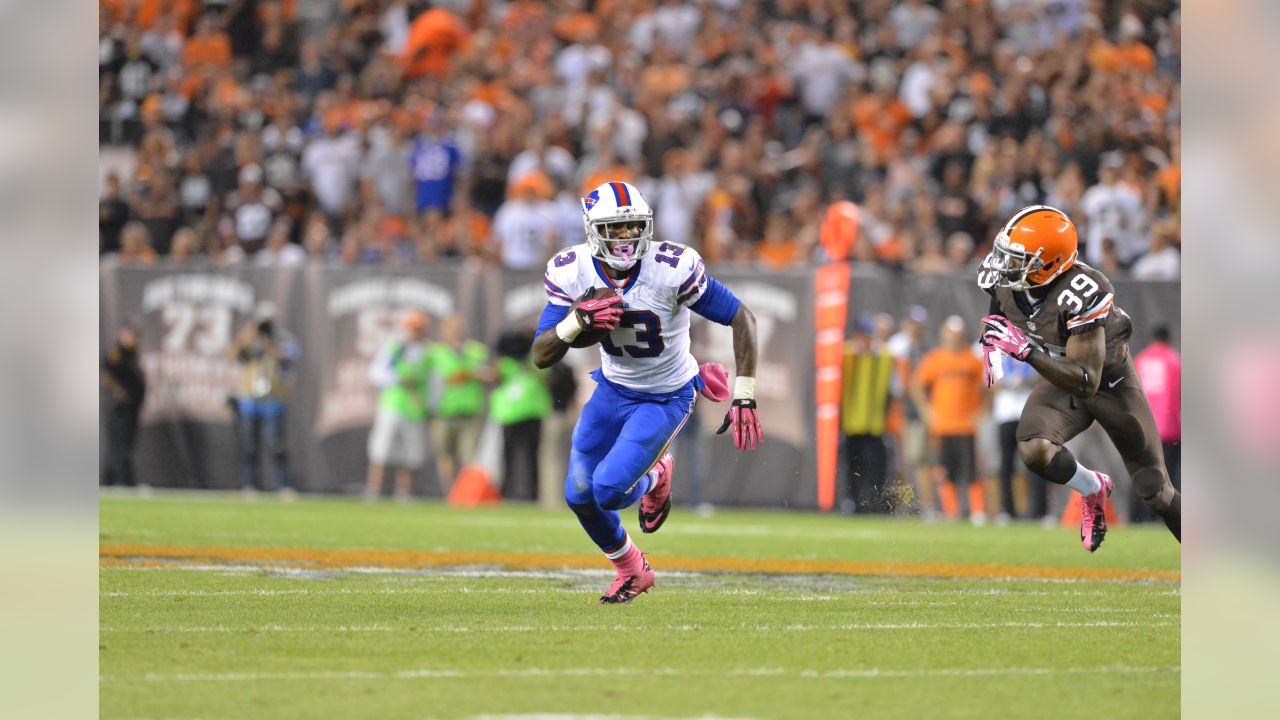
548	348
1080	372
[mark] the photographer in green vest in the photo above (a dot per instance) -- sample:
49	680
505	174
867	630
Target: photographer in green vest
401	371
459	371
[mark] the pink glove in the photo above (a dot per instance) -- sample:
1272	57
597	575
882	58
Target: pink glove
715	381
600	313
747	434
1006	337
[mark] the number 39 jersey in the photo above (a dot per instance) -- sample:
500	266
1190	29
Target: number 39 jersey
649	351
1076	301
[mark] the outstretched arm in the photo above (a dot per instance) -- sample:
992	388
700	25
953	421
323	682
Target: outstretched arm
745	345
742	415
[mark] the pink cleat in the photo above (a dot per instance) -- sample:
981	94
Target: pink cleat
1093	517
655	506
636	578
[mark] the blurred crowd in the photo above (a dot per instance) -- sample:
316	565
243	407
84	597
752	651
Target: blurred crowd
282	132
923	432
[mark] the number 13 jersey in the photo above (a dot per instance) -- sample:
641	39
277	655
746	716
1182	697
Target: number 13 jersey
649	350
1076	301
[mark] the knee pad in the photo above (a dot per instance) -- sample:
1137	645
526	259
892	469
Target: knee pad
1037	454
578	495
610	498
1148	483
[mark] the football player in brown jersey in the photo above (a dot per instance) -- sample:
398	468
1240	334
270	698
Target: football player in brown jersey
1060	316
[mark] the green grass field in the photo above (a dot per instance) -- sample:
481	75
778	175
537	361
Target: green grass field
214	607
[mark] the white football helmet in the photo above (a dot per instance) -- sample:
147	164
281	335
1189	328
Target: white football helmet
619	224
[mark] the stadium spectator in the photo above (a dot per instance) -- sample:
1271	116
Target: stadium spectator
113	214
459	371
318	241
387	168
872	103
1113	212
401	373
208	46
947	390
525	229
1159	367
433	39
135	247
253	209
436	162
1163	261
912	22
125	389
157	207
186	247
332	163
278	251
266	354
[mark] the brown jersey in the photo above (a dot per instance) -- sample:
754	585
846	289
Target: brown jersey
1076	301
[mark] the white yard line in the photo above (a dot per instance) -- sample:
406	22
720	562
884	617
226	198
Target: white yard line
464	629
450	674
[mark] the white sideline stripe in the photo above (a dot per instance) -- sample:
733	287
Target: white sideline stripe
782	592
431	674
463	629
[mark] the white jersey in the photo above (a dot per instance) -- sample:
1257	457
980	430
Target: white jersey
649	351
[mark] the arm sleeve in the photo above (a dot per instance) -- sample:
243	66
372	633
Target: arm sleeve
717	303
552	314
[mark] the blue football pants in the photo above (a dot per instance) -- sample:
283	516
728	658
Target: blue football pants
616	442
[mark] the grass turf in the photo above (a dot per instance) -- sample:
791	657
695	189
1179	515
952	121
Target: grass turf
259	639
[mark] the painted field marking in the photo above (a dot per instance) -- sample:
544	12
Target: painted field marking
346	559
465	629
450	674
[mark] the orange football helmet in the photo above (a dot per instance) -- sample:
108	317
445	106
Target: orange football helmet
1038	244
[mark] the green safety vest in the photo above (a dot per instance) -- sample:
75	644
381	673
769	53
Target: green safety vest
521	395
409	403
455	396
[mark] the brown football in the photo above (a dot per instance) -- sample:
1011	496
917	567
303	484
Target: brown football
590	337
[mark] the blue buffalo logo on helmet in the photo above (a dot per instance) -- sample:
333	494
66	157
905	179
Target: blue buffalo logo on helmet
591	199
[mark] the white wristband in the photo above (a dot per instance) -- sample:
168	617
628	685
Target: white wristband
744	388
569	328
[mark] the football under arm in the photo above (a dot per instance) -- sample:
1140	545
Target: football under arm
1080	372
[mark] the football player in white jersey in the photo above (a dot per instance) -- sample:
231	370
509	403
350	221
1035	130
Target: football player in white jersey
648	380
